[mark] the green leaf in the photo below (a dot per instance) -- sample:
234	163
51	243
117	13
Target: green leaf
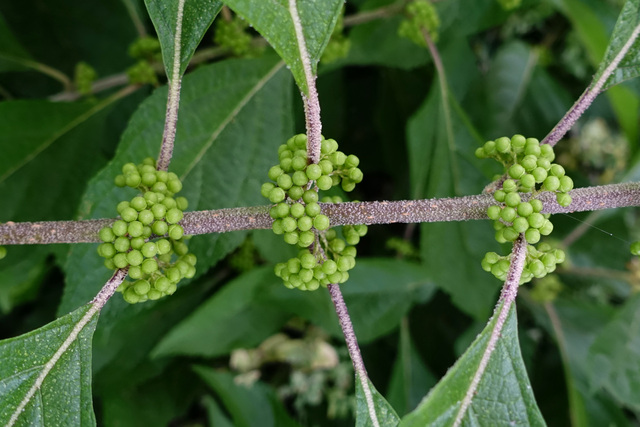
64	398
507	83
410	377
237	316
11	51
503	394
613	357
378	294
249	405
32	152
20	275
271	18
629	67
197	18
215	414
230	126
385	414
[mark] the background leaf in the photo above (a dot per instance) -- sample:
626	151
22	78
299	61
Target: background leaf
197	18
249	405
384	412
272	20
504	386
65	396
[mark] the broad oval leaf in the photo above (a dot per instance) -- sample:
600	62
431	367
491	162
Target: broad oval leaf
64	397
230	126
385	414
503	395
627	26
613	357
249	405
197	18
272	19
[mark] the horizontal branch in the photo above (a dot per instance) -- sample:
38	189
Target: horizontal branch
385	212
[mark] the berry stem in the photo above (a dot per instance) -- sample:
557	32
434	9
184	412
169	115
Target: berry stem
507	298
589	95
379	212
310	98
354	349
97	303
173	100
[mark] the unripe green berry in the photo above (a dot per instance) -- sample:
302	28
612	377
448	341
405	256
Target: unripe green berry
289	224
512	199
544	163
122	244
120	260
312	209
566	184
503	145
305	223
149	250
160	228
499	195
313	172
527	182
174	185
557	170
266	188
148	179
180	248
182	203
493	212
524	209
141	287
132	180
300	178
338	158
296	192
129	214
539	174
135	272
324	182
536	220
138	203
120	181
176	232
508	214
489	148
520	224
509	234
547	228
134	257
275	172
321	222
169	202
149	266
310	196
329	267
306	238
281	210
146	217
326	167
174	215
551	183
284	181
106	234
563	199
516	171
348	185
529	162
356	175
480	153
105	250
291	238
308	260
277	226
135	229
276	195
546	151
131	296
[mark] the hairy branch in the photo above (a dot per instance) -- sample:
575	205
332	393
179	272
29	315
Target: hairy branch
173	100
257	217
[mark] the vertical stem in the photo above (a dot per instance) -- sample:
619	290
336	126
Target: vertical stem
354	349
589	95
310	99
507	298
173	100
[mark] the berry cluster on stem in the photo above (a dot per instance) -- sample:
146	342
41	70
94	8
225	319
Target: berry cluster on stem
147	235
530	170
325	257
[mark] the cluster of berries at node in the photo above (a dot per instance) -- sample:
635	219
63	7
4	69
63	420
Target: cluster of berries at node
147	238
83	77
530	170
421	16
298	216
539	262
339	44
232	34
146	50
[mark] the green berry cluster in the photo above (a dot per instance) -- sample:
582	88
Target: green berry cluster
297	215
307	273
84	76
129	242
339	45
421	15
232	35
510	4
635	248
147	48
539	262
530	169
142	73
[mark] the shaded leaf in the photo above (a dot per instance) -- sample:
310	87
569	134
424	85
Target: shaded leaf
249	405
237	316
503	396
629	67
197	18
410	377
271	18
20	274
230	126
379	292
11	51
385	414
65	395
613	357
215	414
